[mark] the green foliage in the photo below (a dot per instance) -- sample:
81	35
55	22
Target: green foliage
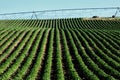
60	49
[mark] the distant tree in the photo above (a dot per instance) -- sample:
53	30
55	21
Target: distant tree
95	17
113	16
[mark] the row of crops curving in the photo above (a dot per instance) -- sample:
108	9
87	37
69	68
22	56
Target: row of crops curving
60	49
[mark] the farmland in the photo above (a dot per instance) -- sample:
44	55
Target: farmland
60	49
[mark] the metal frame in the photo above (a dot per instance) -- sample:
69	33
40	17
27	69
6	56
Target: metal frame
34	13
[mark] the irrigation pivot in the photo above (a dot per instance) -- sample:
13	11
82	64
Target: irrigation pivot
64	13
